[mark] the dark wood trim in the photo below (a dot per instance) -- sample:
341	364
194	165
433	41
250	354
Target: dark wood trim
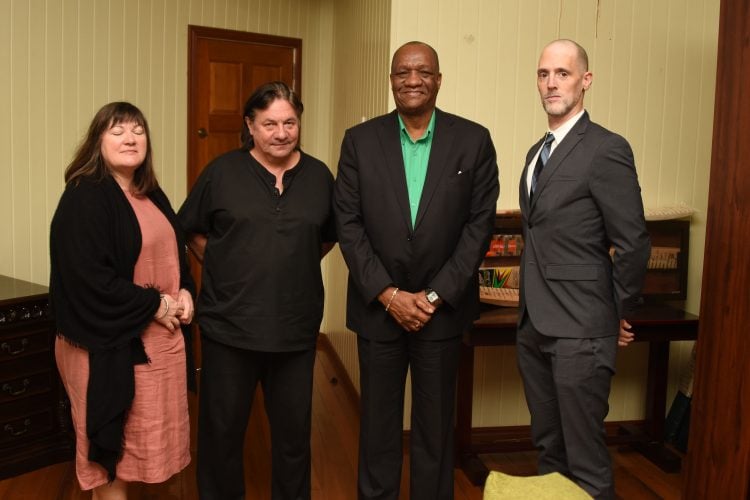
718	458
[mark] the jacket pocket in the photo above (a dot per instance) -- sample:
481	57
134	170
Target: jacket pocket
572	272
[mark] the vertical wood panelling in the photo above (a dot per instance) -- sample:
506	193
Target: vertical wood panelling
20	140
62	60
168	107
140	19
654	70
36	199
120	49
654	65
718	460
55	148
360	88
86	65
6	130
65	59
100	47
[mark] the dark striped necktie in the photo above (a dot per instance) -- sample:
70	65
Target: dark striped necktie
542	160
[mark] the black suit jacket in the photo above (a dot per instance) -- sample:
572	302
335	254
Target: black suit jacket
587	200
453	225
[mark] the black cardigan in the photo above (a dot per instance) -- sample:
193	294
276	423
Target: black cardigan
95	241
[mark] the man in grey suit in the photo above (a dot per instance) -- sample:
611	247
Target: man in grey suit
415	203
579	197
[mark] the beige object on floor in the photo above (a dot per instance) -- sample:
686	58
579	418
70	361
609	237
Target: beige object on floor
552	486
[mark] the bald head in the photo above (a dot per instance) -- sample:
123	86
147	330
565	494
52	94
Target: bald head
582	58
562	80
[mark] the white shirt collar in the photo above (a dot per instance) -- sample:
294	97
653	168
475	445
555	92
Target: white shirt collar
561	131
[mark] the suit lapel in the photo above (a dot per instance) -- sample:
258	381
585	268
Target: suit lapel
442	143
390	140
559	154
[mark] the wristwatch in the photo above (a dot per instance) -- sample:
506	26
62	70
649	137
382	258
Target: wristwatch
433	297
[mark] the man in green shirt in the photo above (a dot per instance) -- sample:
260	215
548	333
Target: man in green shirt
415	205
416	153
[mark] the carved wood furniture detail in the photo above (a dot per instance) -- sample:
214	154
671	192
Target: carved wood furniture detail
35	429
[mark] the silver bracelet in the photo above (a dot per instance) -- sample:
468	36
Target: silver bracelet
166	307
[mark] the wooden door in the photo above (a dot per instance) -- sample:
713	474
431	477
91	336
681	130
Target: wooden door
224	67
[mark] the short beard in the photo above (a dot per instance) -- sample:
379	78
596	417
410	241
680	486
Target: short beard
554	110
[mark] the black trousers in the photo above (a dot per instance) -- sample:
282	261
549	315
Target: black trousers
567	383
383	367
227	387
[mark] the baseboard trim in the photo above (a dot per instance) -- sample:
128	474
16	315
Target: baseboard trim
484	439
518	437
324	344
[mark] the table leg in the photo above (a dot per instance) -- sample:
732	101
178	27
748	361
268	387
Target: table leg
466	459
656	389
652	443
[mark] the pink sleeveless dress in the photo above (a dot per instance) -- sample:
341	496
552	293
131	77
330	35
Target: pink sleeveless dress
157	431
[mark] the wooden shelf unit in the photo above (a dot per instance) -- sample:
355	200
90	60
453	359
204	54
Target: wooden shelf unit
659	285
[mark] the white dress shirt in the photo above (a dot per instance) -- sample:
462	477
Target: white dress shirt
559	133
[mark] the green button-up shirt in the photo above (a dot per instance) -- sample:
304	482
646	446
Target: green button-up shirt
416	156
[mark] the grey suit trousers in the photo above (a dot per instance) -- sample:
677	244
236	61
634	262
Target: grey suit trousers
567	383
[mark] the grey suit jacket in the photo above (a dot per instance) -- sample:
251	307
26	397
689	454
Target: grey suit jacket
587	200
453	225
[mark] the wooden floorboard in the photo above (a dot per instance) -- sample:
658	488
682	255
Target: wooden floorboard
335	427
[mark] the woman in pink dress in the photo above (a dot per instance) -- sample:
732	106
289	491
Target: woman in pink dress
120	289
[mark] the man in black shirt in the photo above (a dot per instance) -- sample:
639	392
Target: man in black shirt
261	220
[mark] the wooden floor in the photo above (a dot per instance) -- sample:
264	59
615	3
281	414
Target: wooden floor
334	445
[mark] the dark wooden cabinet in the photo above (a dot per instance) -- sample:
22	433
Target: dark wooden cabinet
35	428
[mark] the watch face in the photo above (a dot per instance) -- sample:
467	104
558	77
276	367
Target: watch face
432	296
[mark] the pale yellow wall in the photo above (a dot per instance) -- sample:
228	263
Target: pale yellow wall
61	60
360	86
654	66
653	63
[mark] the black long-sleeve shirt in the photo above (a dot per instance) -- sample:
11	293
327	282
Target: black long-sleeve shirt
262	287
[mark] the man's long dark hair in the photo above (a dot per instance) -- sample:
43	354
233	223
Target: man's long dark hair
261	98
